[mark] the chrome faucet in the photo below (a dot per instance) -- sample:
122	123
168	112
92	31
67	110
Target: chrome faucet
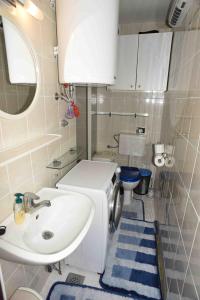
29	203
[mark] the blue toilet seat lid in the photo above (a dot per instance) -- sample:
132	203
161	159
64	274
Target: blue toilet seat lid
130	174
145	172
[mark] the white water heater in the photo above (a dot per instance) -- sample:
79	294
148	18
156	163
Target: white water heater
87	40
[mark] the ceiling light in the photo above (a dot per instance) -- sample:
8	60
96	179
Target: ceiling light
32	9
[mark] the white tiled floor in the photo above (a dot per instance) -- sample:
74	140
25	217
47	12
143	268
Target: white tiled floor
92	279
148	206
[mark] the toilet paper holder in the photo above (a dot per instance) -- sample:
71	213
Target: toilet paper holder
164	155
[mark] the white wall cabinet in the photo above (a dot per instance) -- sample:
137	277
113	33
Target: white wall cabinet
153	61
127	62
143	62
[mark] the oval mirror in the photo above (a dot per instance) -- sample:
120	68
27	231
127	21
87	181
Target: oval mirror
18	78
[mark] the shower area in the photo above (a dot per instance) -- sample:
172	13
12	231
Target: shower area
105	113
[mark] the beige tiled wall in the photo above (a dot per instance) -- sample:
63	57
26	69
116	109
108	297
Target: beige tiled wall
30	173
178	207
116	101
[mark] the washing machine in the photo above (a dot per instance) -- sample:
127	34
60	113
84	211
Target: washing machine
99	181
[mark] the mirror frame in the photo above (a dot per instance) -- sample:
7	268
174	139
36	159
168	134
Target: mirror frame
6	115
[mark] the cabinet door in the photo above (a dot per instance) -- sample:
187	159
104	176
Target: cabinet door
127	62
153	61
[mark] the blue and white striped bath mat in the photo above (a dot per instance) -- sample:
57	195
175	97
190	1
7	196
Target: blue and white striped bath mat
65	291
131	263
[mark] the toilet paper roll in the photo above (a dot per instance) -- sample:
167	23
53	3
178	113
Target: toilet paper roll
169	149
159	148
159	161
169	161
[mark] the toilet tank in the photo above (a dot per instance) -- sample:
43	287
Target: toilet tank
132	144
87	40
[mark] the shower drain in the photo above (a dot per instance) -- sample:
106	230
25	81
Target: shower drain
47	235
74	278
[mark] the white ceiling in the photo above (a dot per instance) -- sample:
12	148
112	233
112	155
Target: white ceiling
143	10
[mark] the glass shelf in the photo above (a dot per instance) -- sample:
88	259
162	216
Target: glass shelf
66	159
10	155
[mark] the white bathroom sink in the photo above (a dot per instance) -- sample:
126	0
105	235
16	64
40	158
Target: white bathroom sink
50	233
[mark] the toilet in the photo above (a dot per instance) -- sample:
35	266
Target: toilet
130	178
132	145
25	293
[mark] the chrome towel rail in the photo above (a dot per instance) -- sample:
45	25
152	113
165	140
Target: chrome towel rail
110	114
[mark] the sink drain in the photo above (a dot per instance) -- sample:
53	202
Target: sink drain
47	235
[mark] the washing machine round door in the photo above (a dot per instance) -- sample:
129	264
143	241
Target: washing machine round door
117	205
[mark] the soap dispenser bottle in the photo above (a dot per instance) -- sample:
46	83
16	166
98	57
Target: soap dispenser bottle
19	213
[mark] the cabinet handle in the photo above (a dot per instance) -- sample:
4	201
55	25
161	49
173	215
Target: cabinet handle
139	86
115	77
